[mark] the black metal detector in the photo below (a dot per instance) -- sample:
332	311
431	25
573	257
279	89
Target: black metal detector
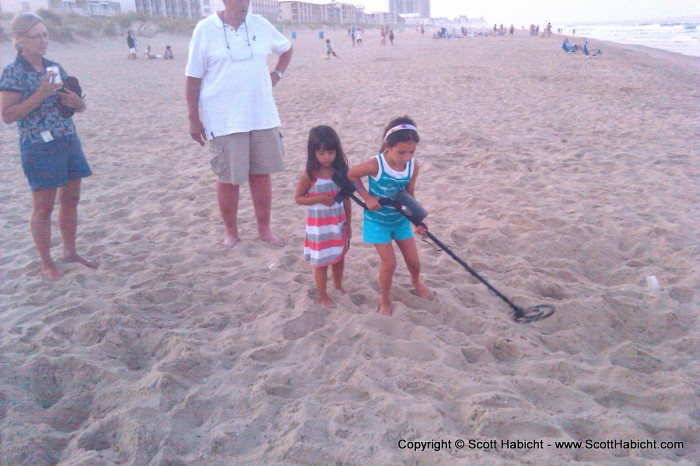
415	213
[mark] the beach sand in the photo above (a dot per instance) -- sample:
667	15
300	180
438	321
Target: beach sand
561	179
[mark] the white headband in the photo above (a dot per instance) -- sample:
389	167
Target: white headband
399	128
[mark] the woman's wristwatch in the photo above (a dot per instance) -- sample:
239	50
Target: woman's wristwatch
278	73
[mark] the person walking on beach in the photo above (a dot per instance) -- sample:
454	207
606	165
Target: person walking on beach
328	229
52	157
328	48
227	76
131	43
391	36
391	171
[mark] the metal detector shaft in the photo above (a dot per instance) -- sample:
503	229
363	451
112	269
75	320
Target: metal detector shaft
470	270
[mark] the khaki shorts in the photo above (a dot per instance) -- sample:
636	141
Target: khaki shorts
237	155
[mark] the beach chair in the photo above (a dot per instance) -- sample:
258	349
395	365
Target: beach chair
590	53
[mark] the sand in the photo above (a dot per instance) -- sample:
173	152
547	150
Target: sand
561	179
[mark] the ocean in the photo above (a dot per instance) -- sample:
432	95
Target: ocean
676	36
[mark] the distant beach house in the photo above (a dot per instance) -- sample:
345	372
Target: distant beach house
274	10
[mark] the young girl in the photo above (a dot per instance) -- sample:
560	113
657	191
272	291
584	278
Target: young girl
328	229
390	172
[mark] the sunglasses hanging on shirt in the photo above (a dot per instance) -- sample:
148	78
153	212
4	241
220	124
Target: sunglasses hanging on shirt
239	54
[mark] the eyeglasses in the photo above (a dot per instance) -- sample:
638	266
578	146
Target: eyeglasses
249	54
45	35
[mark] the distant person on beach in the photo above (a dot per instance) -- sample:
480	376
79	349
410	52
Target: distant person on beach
131	43
168	53
382	34
391	36
32	94
422	30
328	49
358	37
569	47
227	76
391	171
149	54
328	223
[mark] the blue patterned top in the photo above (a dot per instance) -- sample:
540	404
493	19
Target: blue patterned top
388	183
20	76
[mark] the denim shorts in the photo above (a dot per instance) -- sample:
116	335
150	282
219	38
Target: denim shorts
50	165
377	233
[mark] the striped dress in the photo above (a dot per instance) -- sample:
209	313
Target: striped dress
326	239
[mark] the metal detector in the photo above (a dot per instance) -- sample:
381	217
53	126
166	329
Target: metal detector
415	213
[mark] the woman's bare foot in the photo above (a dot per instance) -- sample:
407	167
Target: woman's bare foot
272	239
51	272
230	241
386	309
422	290
81	260
327	302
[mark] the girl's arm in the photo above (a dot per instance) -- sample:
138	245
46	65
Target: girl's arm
301	196
348	214
410	189
355	175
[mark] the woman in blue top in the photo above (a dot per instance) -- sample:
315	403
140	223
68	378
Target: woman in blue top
391	171
52	157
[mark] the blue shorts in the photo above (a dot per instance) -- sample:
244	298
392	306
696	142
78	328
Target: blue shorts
49	165
377	233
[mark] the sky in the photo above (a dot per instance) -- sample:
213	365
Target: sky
525	12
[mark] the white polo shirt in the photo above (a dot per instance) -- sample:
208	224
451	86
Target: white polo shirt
236	92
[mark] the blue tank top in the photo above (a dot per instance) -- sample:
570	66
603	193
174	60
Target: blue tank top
388	183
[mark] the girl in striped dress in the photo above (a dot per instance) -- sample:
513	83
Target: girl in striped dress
328	229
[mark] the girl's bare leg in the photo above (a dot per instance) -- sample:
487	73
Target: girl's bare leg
338	269
321	278
410	254
43	201
386	276
68	198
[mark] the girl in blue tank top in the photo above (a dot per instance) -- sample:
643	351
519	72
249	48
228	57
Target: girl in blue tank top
391	171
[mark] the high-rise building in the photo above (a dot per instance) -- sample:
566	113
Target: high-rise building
403	7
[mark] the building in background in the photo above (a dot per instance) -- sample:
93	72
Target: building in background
169	8
164	8
381	17
334	12
80	7
342	13
274	10
402	7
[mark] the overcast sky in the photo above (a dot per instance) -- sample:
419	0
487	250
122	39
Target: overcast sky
525	12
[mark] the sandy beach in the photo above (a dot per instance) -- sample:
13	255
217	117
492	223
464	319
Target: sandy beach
561	179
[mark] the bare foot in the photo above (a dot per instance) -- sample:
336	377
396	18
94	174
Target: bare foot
230	241
51	272
327	302
386	309
422	290
81	260
272	239
340	288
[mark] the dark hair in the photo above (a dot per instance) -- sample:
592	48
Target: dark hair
399	136
324	137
